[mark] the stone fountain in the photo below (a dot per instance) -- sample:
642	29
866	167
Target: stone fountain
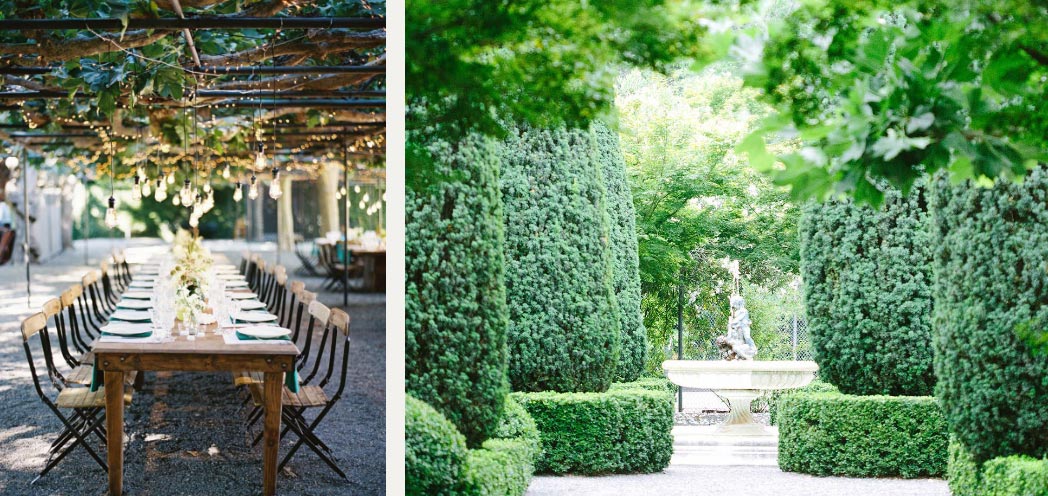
739	379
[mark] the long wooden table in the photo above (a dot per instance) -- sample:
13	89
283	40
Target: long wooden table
208	353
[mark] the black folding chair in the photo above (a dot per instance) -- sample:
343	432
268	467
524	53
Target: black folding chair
84	407
314	396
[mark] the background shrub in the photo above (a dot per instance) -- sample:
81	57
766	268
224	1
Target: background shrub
622	233
1015	475
455	300
435	452
564	323
991	281
623	430
867	276
861	436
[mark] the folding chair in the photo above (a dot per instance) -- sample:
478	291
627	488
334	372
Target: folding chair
85	408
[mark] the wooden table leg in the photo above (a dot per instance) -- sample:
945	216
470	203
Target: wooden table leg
274	388
114	386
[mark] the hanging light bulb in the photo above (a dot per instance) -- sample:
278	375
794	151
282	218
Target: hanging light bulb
11	162
136	189
225	172
161	194
207	187
146	189
111	213
171	179
260	157
252	190
274	186
356	189
238	193
186	193
177	200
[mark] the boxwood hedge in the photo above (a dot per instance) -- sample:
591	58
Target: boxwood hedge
625	262
861	436
434	451
455	299
1015	475
623	430
991	287
868	293
504	464
564	322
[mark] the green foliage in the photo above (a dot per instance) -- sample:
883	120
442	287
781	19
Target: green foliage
697	203
435	452
502	468
624	430
622	234
884	92
991	292
455	295
474	62
564	322
1015	475
868	291
862	436
660	384
504	465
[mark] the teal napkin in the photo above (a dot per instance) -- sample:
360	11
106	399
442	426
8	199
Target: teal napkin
290	380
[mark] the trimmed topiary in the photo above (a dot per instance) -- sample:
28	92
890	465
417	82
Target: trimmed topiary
868	293
771	400
861	436
625	263
505	463
623	430
435	452
455	300
1015	475
991	286
564	323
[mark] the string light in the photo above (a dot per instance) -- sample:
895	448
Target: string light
274	186
110	218
238	193
252	191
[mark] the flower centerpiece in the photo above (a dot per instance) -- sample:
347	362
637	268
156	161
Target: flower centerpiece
190	274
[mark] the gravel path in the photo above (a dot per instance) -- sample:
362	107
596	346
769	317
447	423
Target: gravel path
186	430
749	481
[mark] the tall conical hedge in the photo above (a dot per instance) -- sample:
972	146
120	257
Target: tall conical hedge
622	230
564	323
868	292
455	301
991	256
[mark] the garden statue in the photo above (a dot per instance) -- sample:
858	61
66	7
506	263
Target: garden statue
737	343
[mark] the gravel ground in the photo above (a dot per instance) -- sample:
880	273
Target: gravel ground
186	430
749	481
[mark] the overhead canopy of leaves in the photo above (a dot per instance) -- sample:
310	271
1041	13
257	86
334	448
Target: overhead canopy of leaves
471	63
139	80
882	92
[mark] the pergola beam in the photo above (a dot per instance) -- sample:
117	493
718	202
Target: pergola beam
192	23
55	94
290	69
305	103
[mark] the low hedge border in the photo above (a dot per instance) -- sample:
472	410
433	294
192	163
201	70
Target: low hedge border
624	430
438	462
1016	475
769	401
862	436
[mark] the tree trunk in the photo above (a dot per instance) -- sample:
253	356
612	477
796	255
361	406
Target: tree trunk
327	187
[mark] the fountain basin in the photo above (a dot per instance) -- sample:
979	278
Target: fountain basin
739	382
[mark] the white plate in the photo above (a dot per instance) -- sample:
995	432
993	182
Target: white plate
228	276
123	329
145	277
141	284
236	284
247	295
251	305
135	304
139	295
264	332
206	318
130	315
254	317
226	268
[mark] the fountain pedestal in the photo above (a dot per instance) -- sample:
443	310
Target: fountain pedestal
739	382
